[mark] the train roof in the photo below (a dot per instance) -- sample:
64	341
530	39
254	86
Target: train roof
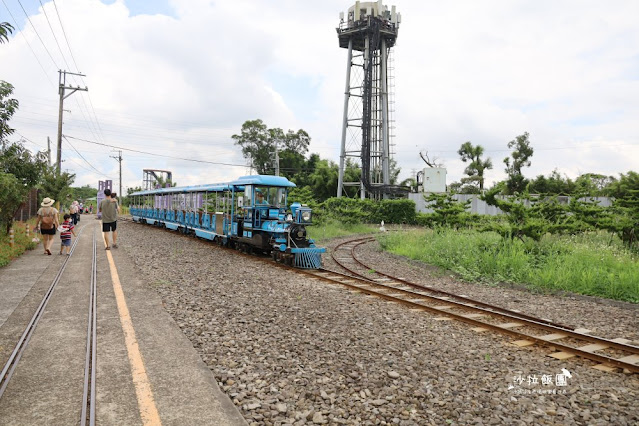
263	180
266	180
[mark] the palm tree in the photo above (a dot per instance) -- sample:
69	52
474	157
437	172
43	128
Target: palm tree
5	29
477	166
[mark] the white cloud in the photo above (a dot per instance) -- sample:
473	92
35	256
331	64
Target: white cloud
181	85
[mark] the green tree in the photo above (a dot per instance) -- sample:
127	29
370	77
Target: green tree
162	182
82	193
259	144
463	188
323	180
5	29
523	221
301	175
626	193
626	187
12	195
302	195
8	107
130	191
447	210
522	151
20	162
25	170
57	186
554	184
593	184
477	166
394	171
410	182
20	168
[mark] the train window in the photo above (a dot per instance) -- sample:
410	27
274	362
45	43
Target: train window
248	194
280	200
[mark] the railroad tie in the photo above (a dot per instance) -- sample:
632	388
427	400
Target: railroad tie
508	325
593	347
548	338
472	316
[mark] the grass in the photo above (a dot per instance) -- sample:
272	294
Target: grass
592	264
333	229
22	243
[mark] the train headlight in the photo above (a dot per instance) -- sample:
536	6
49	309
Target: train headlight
306	216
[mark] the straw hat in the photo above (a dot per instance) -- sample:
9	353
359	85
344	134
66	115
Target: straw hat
47	202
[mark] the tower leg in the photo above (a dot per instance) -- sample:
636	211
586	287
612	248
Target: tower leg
385	136
347	94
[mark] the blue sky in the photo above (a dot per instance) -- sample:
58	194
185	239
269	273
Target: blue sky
178	78
135	7
146	7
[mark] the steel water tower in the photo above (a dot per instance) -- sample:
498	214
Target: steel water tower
368	31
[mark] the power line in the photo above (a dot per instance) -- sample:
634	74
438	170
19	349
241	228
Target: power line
88	119
80	165
157	155
85	160
40	38
65	35
30	141
544	149
92	110
54	36
28	44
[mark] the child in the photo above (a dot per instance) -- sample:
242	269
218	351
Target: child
66	229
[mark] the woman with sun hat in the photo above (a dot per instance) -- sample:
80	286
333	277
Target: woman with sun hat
48	221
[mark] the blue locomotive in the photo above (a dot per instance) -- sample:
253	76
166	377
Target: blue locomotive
249	214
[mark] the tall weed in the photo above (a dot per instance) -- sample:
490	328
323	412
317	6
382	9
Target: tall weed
590	264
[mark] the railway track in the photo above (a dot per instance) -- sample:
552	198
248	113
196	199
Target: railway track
567	341
88	393
610	354
88	403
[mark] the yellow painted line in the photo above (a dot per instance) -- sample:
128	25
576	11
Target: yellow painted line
146	403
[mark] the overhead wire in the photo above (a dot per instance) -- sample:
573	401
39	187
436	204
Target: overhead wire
30	141
82	156
88	119
54	36
65	35
158	155
92	109
38	34
28	44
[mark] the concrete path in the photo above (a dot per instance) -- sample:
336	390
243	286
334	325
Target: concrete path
147	370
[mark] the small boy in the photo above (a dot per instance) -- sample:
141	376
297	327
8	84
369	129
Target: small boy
66	229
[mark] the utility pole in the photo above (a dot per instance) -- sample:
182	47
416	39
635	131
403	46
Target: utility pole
62	88
49	149
119	159
276	160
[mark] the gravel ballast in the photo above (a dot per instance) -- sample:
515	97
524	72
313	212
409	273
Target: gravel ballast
290	350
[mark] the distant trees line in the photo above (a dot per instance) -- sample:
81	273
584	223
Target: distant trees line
317	177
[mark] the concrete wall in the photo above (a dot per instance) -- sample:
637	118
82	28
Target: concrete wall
480	207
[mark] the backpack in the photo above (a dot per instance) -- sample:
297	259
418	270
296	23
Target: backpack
47	221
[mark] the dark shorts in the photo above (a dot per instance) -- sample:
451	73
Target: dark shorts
66	242
109	226
47	231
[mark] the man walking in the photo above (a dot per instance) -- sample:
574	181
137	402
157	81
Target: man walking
109	209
